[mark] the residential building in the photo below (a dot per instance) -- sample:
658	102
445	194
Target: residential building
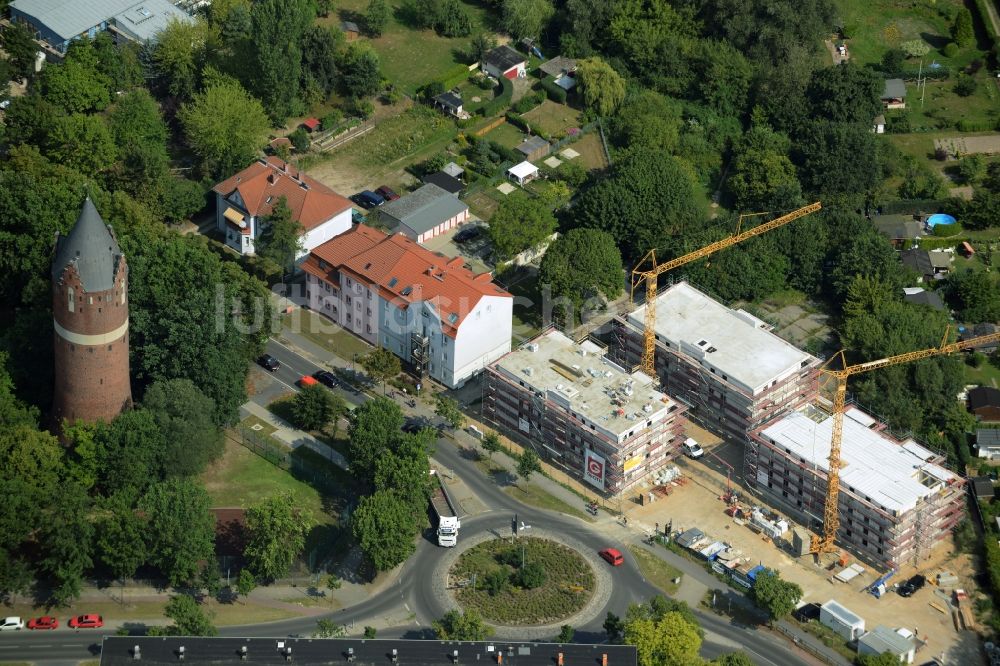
896	501
558	66
503	61
725	364
534	148
902	230
608	426
223	651
433	312
984	403
921	296
894	94
929	265
245	199
426	212
58	22
90	321
449	184
899	643
988	443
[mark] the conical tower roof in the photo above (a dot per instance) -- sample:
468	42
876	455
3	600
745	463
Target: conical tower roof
92	248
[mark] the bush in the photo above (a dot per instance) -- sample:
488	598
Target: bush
572	173
531	575
555	93
975	125
975	359
501	101
947	230
455	75
362	108
898	124
965	86
481	81
496	581
950	50
332	119
300	140
528	102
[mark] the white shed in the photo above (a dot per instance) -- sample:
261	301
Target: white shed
841	620
523	172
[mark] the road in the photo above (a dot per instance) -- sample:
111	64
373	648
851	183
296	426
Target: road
413	588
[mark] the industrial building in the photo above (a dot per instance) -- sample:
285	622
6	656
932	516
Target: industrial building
896	499
725	364
601	423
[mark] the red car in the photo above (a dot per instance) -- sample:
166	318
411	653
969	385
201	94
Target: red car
44	622
87	622
613	556
387	193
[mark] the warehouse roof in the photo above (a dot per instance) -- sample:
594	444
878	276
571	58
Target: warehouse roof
218	650
424	208
882	639
582	380
69	18
891	474
732	344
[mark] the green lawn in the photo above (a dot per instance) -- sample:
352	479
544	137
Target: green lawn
506	135
325	333
943	109
412	58
876	25
656	570
553	117
987	375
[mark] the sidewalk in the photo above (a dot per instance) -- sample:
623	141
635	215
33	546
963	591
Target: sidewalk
294	438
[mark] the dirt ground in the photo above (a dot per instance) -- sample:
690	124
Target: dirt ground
698	503
967	145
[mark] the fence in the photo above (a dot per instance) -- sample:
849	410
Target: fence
492	126
329	143
825	658
261	444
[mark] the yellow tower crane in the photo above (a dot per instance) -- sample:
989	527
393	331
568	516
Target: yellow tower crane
831	517
650	275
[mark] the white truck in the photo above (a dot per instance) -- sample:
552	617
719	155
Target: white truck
447	517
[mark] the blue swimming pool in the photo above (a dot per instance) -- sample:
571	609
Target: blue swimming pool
940	218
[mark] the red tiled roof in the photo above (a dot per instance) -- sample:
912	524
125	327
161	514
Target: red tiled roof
312	124
405	272
264	181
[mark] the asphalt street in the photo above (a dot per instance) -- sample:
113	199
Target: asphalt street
413	588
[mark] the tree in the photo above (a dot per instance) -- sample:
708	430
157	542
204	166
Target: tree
961	30
374	424
531	575
915	48
300	140
583	264
733	659
19	44
140	135
319	58
614	628
520	223
603	88
370	632
278	27
491	443
121	64
245	582
974	295
326	628
671	639
121	538
81	142
181	528
775	596
129	453
846	93
769	32
76	85
496	581
360	71
467	626
224	127
313	408
66	537
763	177
185	417
447	409
724	77
179	55
406	468
972	168
384	527
376	17
838	159
276	534
281	236
566	634
884	659
453	19
189	619
527	464
481	44
381	365
525	18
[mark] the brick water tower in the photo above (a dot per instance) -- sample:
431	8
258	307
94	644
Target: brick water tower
90	316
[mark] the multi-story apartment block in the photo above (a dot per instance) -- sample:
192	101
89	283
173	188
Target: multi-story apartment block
725	364
896	499
431	311
607	426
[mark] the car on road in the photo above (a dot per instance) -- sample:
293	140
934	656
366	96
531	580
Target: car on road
806	612
268	362
306	380
911	586
613	556
692	449
386	193
44	622
368	199
12	624
326	378
467	234
90	621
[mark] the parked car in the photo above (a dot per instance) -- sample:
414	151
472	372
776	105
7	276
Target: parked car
613	556
326	378
806	612
467	234
12	624
306	380
268	362
386	193
369	199
90	621
44	622
911	586
692	449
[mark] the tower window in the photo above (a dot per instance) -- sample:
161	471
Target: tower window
70	302
90	300
123	295
109	347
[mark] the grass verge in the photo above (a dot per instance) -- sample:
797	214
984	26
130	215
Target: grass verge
325	333
655	570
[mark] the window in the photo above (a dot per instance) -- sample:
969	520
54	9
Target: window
90	300
348	317
70	303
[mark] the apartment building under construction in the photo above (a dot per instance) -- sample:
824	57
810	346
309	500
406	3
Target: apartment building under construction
897	501
599	422
725	364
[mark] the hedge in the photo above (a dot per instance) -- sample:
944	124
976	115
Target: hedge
976	125
931	243
456	75
984	19
525	125
556	93
947	230
501	101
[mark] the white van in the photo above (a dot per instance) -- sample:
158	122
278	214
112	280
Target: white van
475	432
692	449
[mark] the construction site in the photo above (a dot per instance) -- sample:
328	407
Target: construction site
727	365
611	428
896	499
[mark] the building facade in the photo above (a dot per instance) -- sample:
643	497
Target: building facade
725	364
90	318
896	502
608	427
242	201
433	312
